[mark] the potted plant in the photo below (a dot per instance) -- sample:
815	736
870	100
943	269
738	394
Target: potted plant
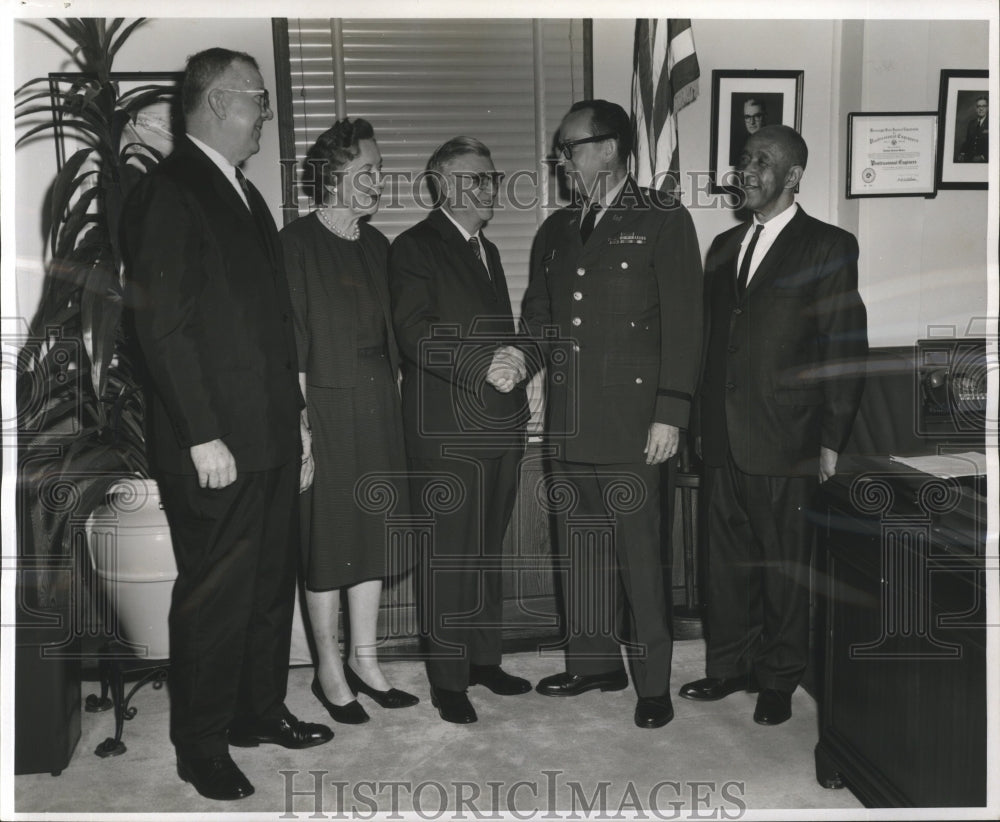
80	407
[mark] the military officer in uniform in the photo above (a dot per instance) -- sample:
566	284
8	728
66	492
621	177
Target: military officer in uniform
615	304
976	148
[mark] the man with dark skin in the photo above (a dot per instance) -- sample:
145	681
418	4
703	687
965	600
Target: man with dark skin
783	369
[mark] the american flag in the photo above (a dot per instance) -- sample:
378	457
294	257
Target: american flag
664	80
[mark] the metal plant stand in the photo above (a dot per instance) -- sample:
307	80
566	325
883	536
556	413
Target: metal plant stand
116	665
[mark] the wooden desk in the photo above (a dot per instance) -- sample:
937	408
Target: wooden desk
903	705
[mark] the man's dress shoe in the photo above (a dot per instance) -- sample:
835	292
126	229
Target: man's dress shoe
653	711
285	730
498	680
214	777
454	706
711	688
350	714
773	707
567	684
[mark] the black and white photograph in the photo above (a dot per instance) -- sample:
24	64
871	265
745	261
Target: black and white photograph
743	102
964	109
446	412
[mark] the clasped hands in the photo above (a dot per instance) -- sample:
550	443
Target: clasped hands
507	369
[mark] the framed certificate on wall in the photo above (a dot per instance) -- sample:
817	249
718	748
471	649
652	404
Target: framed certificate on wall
891	154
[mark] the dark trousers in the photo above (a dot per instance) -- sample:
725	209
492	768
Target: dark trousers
460	592
608	538
231	613
758	542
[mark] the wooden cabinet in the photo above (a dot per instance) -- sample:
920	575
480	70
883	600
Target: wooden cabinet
903	703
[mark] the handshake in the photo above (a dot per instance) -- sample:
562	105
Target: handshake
507	369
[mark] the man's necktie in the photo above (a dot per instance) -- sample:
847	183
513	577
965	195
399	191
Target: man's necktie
741	280
474	245
589	219
258	218
245	186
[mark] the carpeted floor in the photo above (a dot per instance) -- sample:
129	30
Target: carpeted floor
528	754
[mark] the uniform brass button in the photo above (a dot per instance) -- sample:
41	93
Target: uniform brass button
581	271
577	295
638	380
624	265
577	321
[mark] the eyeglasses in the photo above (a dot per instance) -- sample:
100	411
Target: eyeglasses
263	95
482	179
566	146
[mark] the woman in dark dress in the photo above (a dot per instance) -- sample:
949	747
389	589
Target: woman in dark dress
336	264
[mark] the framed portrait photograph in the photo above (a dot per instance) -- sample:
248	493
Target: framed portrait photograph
891	154
742	102
963	145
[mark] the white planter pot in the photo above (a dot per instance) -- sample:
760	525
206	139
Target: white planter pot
131	552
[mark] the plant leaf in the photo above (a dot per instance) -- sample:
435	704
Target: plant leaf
126	33
63	188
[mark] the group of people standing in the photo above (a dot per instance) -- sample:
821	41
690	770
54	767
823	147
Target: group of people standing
275	358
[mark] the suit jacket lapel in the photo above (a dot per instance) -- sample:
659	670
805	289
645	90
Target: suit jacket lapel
460	247
263	222
261	227
786	240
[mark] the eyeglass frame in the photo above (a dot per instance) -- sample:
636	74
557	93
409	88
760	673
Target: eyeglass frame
265	96
565	147
494	178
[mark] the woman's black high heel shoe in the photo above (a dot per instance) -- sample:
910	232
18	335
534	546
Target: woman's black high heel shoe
350	714
393	698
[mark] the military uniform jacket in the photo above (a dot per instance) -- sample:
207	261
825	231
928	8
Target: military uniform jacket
619	322
784	362
213	316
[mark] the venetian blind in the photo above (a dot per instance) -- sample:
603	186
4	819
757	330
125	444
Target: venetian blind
422	81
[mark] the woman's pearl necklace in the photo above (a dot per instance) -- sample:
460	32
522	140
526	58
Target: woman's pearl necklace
353	234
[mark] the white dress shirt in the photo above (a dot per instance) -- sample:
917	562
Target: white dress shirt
772	228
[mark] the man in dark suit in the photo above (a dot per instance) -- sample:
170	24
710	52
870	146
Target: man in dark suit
786	341
976	148
213	318
615	302
464	418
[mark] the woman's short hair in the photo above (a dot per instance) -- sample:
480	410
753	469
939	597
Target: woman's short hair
331	153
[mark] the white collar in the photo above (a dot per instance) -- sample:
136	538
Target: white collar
775	225
465	234
610	195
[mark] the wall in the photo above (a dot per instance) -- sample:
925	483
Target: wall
923	262
162	44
